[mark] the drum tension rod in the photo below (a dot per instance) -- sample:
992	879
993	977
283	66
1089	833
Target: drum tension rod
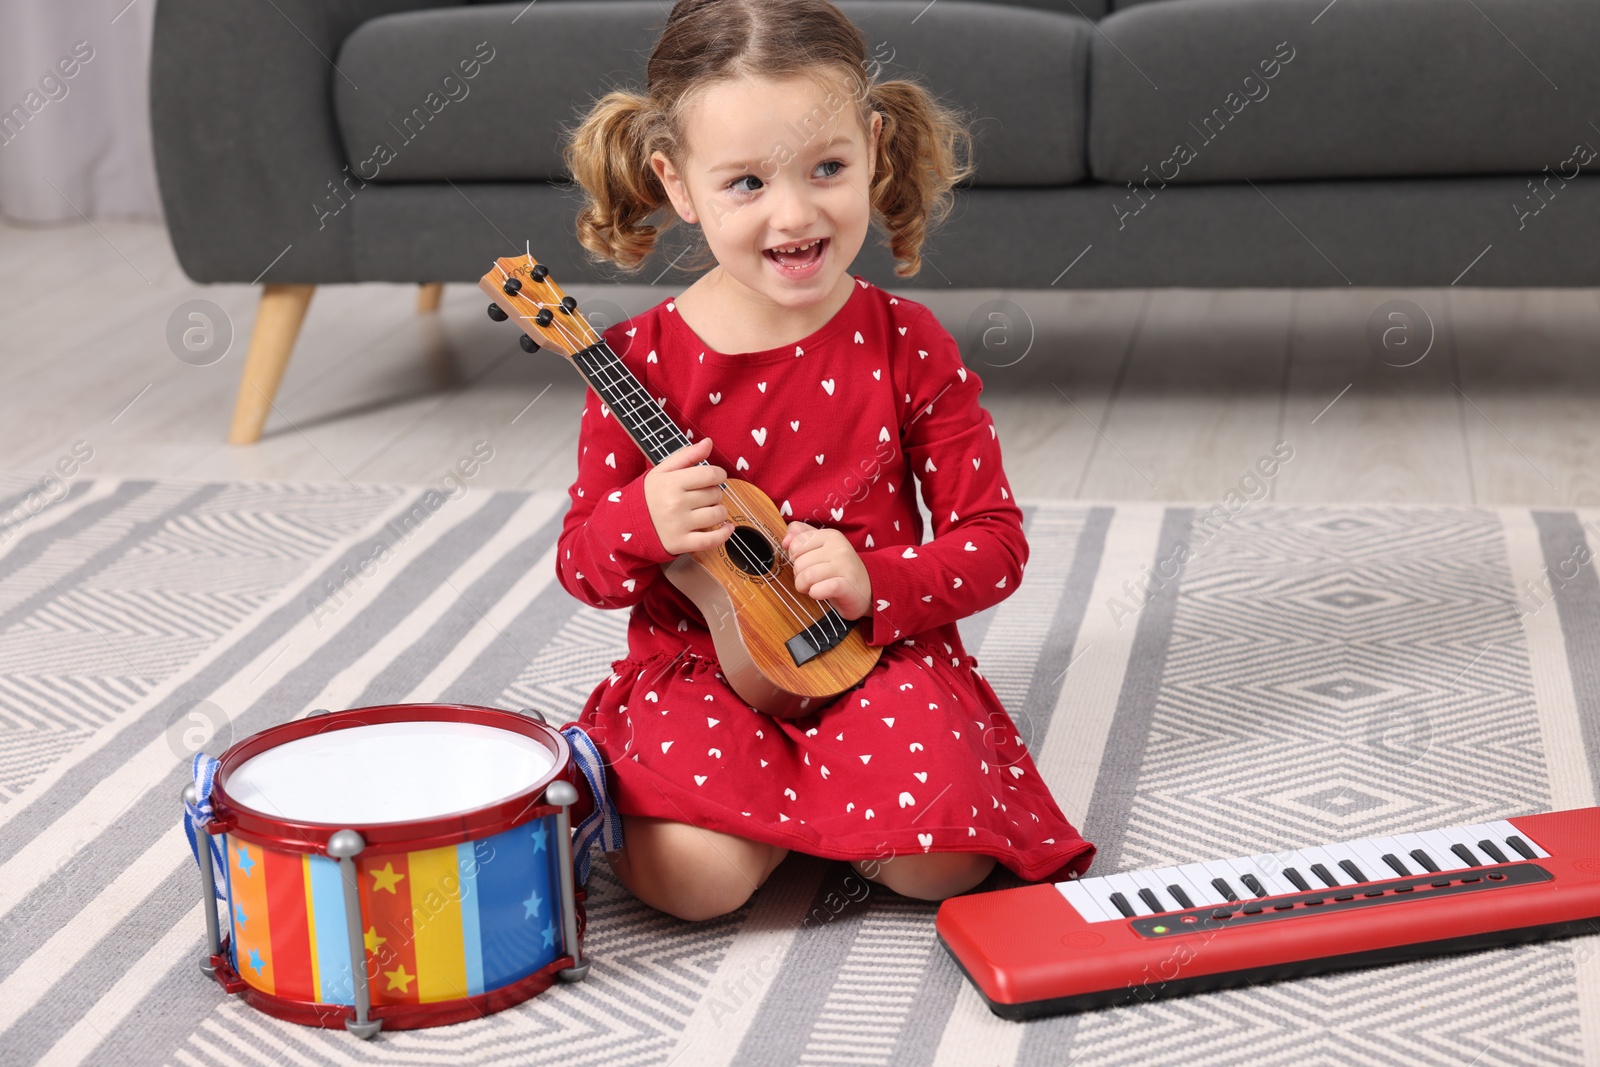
563	794
345	846
208	886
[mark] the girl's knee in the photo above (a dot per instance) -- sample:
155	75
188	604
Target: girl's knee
689	872
931	876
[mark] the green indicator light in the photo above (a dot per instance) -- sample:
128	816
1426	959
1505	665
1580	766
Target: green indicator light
1159	929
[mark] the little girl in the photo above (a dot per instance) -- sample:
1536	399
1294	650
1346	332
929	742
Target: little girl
761	127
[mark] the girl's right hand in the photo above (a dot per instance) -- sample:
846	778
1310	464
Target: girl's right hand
685	500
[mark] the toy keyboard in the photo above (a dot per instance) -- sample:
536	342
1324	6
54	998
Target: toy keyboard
1171	931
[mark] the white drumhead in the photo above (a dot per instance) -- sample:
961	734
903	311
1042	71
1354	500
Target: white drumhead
389	772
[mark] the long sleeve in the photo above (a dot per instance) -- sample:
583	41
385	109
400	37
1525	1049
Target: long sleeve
976	556
609	550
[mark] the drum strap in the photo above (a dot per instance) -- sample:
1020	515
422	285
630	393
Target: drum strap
604	823
197	815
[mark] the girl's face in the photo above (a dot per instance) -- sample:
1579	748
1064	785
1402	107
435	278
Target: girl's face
773	164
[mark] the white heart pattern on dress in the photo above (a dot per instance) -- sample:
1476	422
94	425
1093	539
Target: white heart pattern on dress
827	383
760	435
716	398
907	800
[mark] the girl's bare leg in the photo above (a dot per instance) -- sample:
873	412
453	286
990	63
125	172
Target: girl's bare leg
687	871
930	876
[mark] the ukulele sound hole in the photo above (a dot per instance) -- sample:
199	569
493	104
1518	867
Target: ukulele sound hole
750	551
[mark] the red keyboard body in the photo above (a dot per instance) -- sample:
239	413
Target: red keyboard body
1031	952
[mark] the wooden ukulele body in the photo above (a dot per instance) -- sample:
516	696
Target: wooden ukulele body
745	589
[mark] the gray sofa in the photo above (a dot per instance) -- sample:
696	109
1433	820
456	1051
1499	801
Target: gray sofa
1207	143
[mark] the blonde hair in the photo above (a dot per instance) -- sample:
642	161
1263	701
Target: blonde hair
924	148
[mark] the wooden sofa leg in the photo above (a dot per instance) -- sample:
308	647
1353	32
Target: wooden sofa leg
283	308
428	296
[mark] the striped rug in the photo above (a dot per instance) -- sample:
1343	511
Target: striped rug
1193	682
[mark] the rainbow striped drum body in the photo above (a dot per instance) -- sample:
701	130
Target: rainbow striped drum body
461	873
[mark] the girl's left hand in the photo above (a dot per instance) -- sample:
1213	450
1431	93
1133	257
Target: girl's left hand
826	567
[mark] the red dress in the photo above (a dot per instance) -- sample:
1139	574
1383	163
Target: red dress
918	757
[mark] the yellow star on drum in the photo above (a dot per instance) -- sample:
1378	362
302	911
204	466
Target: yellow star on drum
373	940
399	979
385	878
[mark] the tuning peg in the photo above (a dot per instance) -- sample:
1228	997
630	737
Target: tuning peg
539	272
528	343
497	314
544	317
569	303
513	286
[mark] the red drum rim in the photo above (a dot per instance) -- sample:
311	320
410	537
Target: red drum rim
302	836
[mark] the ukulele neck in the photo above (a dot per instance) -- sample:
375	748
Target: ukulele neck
636	411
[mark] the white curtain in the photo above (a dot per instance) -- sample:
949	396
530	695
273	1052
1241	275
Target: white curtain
75	110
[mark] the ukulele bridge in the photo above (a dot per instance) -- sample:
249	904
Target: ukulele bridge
818	637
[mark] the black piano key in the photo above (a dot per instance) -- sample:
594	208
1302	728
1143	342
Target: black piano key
1180	896
1394	862
1522	847
1252	883
1349	867
1492	850
1298	879
1122	905
1225	889
1465	853
1152	900
1425	860
1322	872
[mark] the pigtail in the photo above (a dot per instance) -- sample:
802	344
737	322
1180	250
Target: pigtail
609	156
924	150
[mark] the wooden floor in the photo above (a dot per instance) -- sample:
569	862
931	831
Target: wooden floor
1107	395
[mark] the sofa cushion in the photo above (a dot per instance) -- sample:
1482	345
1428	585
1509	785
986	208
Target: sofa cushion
1224	90
482	93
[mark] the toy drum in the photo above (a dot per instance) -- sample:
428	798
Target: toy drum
430	842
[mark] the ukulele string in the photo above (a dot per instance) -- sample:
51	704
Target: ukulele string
785	596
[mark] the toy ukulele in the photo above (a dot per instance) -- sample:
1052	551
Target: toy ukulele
779	649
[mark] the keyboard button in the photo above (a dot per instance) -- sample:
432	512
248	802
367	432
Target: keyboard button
1471	878
1347	895
1373	893
1251	908
1439	883
1395	865
1222	913
1312	901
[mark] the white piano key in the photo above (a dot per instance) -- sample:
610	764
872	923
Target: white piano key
1204	893
1411	841
1437	844
1224	870
1170	876
1122	883
1318	854
1391	845
1146	880
1275	863
1369	857
1504	828
1247	865
1488	832
1470	836
1084	902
